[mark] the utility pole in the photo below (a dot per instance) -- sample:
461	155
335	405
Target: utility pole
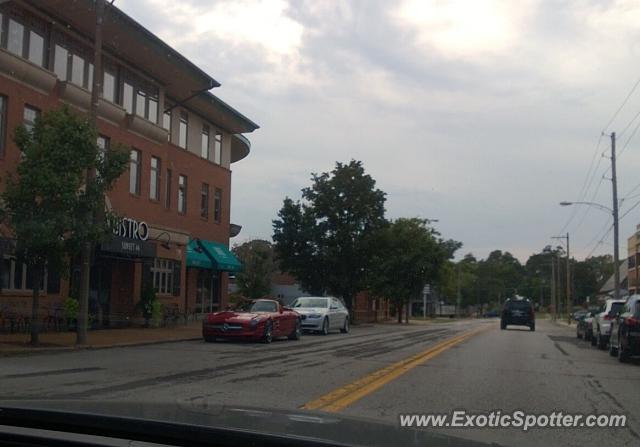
553	289
458	293
569	300
614	184
87	248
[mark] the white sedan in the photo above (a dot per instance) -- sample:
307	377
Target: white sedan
322	314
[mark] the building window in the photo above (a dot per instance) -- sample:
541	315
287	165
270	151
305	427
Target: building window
77	70
162	272
30	116
182	194
217	206
182	132
147	106
17	277
154	181
3	123
127	97
61	62
15	38
36	48
166	123
204	201
167	195
134	172
204	145
109	87
22	41
217	151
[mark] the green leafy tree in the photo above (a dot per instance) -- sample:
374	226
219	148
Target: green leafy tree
44	204
254	281
500	276
410	256
325	242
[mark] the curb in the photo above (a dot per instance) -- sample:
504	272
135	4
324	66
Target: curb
56	350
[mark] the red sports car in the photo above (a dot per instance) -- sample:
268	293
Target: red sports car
260	320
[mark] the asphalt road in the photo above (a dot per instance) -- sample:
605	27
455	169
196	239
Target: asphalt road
376	371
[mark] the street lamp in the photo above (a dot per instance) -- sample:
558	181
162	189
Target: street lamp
616	254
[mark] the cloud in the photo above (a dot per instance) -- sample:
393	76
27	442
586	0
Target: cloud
482	113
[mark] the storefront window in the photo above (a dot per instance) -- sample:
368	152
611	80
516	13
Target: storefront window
163	277
16	275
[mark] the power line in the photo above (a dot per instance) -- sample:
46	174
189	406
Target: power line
615	115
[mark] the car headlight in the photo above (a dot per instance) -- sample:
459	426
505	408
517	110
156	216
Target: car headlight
314	316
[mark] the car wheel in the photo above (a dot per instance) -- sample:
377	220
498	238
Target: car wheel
297	331
325	326
503	326
623	356
532	327
345	328
268	332
600	341
209	339
613	352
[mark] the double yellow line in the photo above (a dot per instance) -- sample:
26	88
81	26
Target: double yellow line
342	397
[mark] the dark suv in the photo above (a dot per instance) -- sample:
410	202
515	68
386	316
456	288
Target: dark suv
518	312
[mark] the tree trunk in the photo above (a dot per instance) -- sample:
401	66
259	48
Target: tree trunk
399	310
407	311
35	306
348	302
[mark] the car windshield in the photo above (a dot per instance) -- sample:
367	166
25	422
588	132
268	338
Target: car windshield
311	302
363	221
264	306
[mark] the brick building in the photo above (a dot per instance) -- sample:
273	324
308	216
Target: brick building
175	197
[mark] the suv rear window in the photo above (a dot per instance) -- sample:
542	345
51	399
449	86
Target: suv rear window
520	305
615	308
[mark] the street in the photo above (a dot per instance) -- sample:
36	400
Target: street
543	371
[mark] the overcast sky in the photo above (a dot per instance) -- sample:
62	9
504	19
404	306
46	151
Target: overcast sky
483	114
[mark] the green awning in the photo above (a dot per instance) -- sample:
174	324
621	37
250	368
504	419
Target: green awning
211	255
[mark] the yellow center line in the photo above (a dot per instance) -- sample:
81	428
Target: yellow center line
344	396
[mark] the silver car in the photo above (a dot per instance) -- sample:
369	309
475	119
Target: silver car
322	314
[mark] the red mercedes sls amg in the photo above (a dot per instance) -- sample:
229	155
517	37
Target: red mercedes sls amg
260	320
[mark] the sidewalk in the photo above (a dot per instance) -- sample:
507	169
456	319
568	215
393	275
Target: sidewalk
18	344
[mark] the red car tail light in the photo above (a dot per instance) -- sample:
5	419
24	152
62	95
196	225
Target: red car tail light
632	321
608	317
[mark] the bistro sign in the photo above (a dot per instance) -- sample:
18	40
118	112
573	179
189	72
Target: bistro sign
132	229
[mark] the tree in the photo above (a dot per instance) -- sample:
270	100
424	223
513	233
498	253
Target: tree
326	241
409	256
499	276
45	203
254	281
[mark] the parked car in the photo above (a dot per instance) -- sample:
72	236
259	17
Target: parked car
625	330
259	320
518	311
602	322
322	314
583	326
578	314
491	314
